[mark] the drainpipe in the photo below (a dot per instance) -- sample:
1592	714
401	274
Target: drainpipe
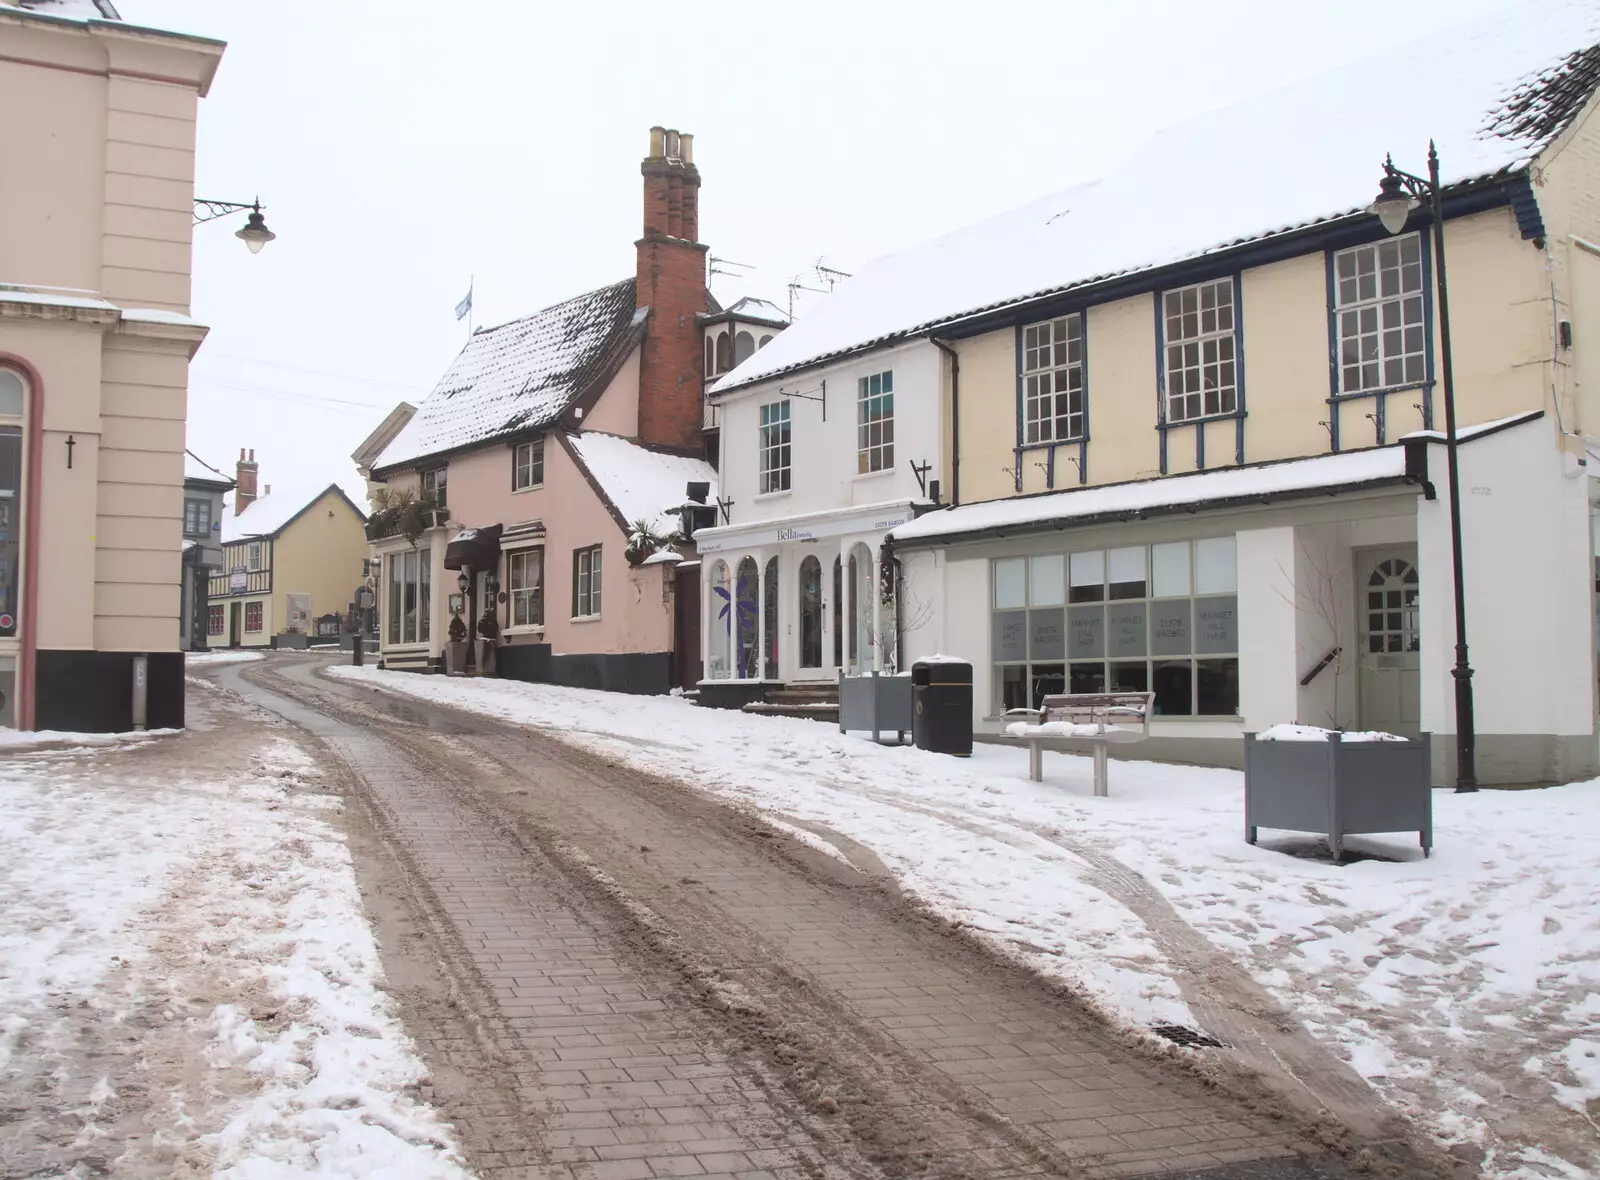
955	418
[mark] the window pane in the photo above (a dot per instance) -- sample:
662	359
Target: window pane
424	595
1125	630
1048	680
1047	634
1170	630
1010	583
1130	677
1088	572
1087	677
1174	688
1047	580
1217	684
1010	637
1126	572
11	394
1216	625
1214	570
1011	687
1169	569
1086	631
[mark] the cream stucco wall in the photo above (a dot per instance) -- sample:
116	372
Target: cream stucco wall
320	554
1500	321
96	197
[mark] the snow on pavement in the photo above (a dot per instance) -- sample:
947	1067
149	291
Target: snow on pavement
199	945
1463	986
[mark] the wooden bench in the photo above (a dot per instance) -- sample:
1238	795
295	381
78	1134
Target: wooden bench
1099	718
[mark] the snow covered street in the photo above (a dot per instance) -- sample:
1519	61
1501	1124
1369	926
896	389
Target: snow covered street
1463	987
188	983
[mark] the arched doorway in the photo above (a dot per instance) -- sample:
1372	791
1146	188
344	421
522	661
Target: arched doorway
1389	663
769	614
746	616
719	623
861	618
810	612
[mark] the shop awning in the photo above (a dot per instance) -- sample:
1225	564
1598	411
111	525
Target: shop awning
477	549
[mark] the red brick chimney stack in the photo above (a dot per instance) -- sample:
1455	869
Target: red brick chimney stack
672	284
244	478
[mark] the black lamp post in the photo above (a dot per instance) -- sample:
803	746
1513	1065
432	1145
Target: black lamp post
255	234
1398	193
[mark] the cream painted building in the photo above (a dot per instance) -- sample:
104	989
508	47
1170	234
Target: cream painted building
96	198
1191	413
289	558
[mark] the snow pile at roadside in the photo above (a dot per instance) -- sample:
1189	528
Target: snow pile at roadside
199	659
220	919
1463	986
16	740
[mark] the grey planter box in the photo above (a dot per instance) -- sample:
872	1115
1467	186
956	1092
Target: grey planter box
875	703
1339	788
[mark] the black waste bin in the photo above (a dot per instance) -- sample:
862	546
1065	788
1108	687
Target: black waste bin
941	689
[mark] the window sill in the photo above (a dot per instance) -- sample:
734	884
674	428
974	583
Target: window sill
584	619
527	629
775	495
1059	442
1228	417
1357	394
537	487
866	475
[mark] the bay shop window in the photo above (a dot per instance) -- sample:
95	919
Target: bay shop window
408	576
1143	618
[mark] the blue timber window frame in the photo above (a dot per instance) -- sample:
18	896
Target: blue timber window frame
1199	423
1078	442
1337	396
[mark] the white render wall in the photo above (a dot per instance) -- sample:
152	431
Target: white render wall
823	465
1526	544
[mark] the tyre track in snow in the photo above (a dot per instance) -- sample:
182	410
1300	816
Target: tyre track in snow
858	1016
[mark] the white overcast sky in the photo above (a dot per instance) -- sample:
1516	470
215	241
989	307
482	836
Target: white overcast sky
401	147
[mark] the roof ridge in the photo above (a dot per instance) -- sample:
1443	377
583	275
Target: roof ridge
533	315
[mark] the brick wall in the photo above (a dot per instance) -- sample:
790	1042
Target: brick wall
672	284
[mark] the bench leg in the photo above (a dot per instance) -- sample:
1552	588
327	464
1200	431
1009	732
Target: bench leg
1250	835
1036	762
1102	788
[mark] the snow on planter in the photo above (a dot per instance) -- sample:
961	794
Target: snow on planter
1306	779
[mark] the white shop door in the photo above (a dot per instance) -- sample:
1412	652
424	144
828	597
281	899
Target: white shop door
1388	617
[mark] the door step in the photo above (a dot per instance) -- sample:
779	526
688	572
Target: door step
813	710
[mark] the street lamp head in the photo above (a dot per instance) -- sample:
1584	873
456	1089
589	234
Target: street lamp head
1393	205
255	234
462	583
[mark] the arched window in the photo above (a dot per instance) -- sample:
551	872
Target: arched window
719	620
810	612
744	347
763	342
13	406
711	357
746	596
1393	607
769	638
724	352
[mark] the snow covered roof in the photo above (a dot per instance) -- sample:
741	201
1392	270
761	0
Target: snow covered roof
759	311
640	483
197	468
521	375
269	515
1492	94
1347	469
75	9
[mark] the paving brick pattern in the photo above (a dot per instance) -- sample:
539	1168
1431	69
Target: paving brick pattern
619	1076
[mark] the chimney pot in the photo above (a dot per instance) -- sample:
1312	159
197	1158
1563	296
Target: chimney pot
658	147
686	148
672	145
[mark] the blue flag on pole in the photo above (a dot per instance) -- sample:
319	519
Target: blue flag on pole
465	305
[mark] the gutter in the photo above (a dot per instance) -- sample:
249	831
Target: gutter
1121	516
955	418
